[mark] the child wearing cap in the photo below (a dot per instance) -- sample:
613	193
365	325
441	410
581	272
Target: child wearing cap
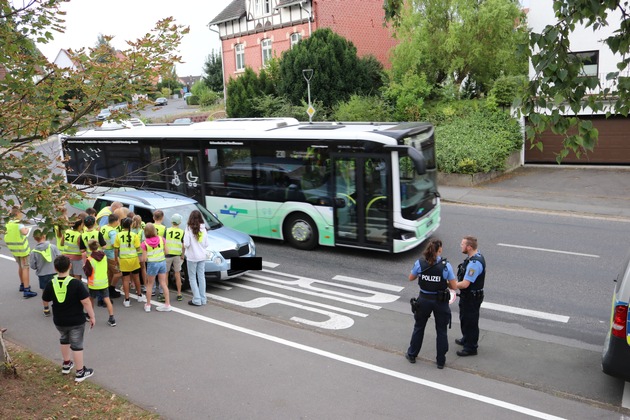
41	260
175	256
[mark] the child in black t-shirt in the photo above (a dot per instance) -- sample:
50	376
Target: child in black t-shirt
69	299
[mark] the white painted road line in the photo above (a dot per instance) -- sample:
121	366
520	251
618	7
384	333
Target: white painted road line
369	283
579	254
526	312
374	368
7	258
269	264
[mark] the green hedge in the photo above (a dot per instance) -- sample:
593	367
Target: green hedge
480	141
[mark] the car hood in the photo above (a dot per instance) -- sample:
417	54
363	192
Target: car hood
223	238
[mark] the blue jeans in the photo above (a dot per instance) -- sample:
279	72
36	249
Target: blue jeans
197	280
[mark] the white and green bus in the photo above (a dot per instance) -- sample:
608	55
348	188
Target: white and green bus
362	185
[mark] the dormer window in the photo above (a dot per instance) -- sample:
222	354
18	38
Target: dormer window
262	7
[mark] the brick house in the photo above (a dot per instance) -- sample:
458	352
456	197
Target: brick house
254	31
613	146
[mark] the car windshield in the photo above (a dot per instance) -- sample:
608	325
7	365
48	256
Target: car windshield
184	210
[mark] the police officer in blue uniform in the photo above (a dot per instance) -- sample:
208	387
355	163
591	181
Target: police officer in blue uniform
435	276
471	275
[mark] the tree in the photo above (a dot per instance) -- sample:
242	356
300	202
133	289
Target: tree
169	81
36	100
337	70
461	39
213	68
559	91
242	91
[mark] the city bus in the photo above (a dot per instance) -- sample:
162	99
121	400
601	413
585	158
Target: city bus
362	185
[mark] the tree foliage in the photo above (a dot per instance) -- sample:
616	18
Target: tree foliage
39	99
242	91
458	39
213	69
559	92
337	70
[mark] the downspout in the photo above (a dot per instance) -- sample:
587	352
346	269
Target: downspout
310	16
222	66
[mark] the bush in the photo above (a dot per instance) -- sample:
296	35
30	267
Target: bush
508	88
192	100
362	108
478	142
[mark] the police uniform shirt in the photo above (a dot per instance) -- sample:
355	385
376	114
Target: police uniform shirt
448	270
473	269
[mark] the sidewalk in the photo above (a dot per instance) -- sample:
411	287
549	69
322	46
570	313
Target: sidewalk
595	191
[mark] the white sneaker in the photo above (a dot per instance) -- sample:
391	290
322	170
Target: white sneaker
164	308
147	308
141	298
126	303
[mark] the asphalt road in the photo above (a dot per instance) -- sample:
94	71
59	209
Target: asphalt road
321	334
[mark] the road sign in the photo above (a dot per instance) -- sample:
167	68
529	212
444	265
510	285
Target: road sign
310	111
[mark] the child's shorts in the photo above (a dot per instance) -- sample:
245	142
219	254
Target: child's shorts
155	268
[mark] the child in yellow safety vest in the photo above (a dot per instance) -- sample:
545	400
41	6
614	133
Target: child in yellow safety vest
160	229
95	269
154	252
126	247
73	246
175	256
41	260
16	238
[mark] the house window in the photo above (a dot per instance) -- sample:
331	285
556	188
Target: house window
266	51
295	38
239	50
267	7
590	61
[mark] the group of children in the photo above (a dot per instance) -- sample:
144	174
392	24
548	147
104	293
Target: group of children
123	248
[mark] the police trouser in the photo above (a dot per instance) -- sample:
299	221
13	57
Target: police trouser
469	320
442	313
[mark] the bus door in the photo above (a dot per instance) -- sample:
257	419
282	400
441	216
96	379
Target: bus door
363	216
183	173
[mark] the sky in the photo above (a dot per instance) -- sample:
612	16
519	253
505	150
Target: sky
131	19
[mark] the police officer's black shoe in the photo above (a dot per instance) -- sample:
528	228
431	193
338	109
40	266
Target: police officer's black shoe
410	358
459	341
464	353
439	366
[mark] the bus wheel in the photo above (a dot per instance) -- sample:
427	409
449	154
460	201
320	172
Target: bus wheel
300	231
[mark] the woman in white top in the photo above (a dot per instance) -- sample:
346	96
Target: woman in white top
195	244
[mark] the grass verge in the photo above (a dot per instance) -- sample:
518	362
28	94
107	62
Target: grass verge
40	391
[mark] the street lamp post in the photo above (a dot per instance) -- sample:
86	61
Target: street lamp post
308	74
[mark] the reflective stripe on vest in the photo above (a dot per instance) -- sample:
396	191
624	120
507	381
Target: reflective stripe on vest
98	279
174	238
71	242
127	247
105	231
16	242
47	253
156	254
60	286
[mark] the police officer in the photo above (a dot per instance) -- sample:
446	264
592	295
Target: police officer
470	275
435	276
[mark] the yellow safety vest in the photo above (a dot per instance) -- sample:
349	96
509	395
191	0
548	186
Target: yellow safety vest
156	254
127	241
160	230
98	279
71	242
174	238
105	211
47	253
105	231
16	242
87	236
60	286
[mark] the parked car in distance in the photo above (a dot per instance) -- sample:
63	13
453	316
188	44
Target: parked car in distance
226	243
616	353
161	101
104	114
187	94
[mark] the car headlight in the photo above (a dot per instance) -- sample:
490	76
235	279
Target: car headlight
252	247
215	257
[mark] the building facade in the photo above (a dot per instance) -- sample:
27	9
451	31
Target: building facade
613	146
254	31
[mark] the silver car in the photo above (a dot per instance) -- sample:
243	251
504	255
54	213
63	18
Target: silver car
226	243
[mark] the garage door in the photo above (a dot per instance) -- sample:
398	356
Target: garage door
613	146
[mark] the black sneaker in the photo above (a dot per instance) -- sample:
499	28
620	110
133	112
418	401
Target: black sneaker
101	304
113	293
83	374
46	311
410	358
66	368
111	322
